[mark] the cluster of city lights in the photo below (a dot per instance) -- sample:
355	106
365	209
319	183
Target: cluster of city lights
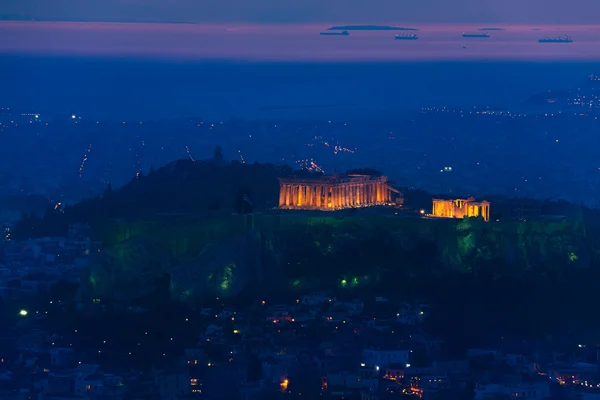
187	150
85	158
340	149
310	165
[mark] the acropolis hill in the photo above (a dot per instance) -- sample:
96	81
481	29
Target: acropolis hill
178	221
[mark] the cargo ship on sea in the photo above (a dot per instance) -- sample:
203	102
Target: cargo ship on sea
342	33
475	35
407	37
564	39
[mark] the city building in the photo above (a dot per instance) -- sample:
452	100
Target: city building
460	208
335	192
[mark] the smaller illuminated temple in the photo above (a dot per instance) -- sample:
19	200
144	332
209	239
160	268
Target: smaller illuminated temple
334	192
460	208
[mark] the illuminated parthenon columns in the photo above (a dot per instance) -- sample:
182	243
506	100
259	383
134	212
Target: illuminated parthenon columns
334	192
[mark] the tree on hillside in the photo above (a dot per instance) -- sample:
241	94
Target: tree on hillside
108	192
243	202
218	155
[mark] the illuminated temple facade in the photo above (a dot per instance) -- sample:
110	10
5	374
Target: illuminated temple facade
334	192
460	208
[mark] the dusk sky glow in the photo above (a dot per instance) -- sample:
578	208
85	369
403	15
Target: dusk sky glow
298	42
363	11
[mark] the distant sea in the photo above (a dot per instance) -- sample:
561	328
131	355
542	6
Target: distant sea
140	71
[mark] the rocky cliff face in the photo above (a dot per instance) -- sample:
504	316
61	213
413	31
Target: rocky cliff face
228	267
132	269
304	253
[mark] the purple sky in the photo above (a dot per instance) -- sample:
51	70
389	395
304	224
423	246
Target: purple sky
298	42
346	11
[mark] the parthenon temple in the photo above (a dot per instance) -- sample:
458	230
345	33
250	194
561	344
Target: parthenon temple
334	192
460	208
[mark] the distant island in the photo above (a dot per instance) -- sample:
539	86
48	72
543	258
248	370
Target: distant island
492	29
370	28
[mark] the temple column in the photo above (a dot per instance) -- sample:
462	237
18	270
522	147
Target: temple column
284	190
281	195
306	197
334	197
374	193
363	198
364	192
320	196
345	195
297	194
303	191
348	195
317	197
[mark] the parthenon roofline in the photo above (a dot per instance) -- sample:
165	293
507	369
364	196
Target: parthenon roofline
332	179
466	200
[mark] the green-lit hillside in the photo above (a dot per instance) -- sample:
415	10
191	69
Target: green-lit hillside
227	255
176	231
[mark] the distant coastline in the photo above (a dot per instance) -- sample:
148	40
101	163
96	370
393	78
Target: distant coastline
370	28
492	29
304	106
